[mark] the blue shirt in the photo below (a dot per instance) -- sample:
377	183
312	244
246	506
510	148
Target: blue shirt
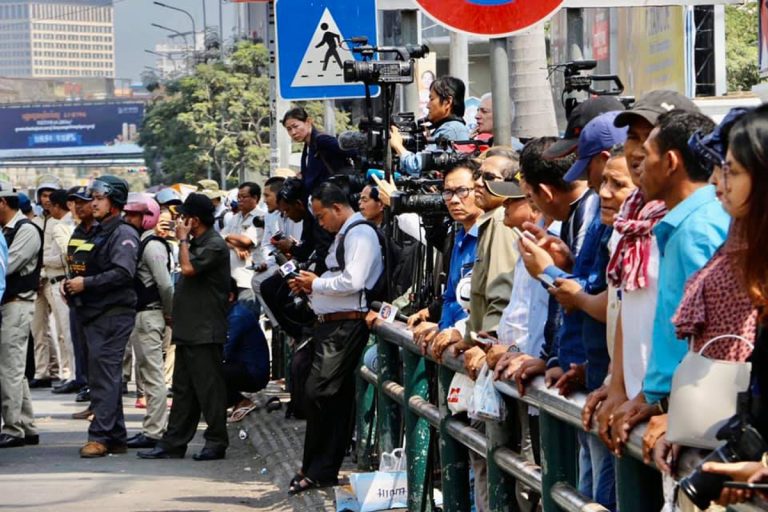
462	260
3	264
581	338
688	236
410	163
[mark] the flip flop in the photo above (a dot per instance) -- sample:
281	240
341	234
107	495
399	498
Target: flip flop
241	413
307	484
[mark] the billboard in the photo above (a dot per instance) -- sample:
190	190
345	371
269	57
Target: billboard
63	125
763	38
651	49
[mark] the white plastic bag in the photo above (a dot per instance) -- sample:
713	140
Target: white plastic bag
460	393
394	461
487	403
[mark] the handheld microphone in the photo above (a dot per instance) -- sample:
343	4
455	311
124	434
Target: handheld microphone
376	306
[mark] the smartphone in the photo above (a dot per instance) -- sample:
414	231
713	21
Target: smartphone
171	225
747	485
546	280
479	340
526	234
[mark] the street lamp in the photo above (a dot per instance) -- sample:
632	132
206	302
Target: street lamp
191	18
184	36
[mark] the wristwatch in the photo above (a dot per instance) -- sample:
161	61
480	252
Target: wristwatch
513	348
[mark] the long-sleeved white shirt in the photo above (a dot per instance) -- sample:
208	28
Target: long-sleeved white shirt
337	291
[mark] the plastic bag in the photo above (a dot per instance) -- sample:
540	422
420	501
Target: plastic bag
460	393
486	403
394	461
380	490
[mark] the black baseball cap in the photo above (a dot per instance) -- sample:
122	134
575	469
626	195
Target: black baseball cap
197	205
80	192
655	103
582	114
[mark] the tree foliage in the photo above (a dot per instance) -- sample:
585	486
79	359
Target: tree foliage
217	117
742	46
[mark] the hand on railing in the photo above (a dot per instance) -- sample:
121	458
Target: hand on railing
508	364
417	318
527	371
627	417
423	334
443	341
474	358
594	402
571	380
605	414
494	355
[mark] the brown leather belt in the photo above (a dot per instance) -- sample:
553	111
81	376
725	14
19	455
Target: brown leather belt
338	317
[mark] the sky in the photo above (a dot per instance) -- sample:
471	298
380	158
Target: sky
134	34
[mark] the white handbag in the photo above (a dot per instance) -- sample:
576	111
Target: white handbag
704	396
460	393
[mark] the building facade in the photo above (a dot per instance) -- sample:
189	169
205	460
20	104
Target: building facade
57	38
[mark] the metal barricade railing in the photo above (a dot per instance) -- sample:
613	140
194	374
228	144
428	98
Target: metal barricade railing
403	395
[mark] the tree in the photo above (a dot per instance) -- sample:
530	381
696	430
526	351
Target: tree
217	117
742	46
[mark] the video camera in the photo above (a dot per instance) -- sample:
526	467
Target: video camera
577	81
369	71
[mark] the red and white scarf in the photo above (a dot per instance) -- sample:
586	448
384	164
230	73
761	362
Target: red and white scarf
628	267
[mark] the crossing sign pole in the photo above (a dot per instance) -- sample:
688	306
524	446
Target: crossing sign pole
312	46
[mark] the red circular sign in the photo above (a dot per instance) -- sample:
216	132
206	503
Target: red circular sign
494	18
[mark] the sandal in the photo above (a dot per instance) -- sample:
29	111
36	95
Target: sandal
239	414
295	480
307	484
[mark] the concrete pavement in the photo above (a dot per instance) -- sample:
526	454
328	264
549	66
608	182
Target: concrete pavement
254	476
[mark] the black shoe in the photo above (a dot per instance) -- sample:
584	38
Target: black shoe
210	454
69	386
9	441
141	441
32	439
40	383
161	453
84	395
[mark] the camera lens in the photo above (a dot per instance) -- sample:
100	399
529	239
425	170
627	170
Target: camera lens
702	487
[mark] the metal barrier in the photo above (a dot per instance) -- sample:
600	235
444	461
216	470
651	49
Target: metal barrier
638	485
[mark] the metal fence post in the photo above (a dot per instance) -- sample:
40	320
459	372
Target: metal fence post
417	433
366	419
638	487
388	411
559	457
454	456
501	486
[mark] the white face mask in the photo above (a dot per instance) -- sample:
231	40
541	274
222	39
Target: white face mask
463	290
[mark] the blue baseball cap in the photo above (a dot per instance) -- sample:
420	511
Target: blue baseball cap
598	135
25	205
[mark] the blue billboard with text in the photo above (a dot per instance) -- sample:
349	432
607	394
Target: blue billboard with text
61	125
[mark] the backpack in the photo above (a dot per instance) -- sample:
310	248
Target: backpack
383	290
146	295
16	284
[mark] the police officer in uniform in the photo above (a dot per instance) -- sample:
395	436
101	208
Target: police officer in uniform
105	301
24	241
154	291
76	262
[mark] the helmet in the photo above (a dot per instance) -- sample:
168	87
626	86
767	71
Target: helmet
47	182
144	204
116	189
167	197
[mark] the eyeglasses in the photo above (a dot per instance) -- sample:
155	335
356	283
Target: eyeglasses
461	193
487	176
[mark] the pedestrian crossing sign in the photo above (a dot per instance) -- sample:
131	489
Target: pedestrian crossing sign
312	45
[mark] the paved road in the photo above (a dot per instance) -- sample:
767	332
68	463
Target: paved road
52	477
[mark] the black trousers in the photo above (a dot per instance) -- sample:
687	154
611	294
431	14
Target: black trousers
238	378
330	396
80	348
107	337
198	387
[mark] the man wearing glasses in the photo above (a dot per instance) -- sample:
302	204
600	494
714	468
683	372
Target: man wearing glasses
105	303
459	196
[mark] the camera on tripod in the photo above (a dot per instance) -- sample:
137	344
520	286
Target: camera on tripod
369	71
578	80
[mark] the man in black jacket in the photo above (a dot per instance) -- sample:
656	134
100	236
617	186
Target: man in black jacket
105	302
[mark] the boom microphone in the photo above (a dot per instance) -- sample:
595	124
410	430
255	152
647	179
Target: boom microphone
352	141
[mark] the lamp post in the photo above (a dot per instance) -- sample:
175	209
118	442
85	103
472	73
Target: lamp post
191	18
176	32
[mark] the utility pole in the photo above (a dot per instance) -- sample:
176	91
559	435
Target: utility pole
502	121
409	29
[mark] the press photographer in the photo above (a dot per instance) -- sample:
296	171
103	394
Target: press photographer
339	297
445	114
